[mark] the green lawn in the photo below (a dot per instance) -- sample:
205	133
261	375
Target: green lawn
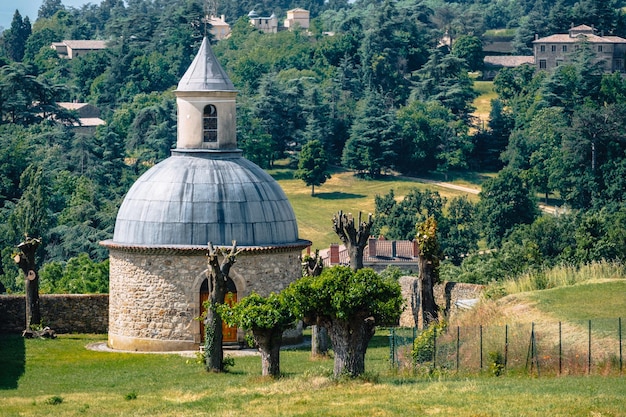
351	194
36	374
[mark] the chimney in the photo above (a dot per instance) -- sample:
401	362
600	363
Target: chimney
334	254
371	245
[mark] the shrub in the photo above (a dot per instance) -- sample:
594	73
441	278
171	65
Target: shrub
424	344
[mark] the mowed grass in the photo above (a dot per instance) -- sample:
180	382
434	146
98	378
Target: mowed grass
84	382
347	192
483	102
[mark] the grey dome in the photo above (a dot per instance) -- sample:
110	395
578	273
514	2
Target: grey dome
195	197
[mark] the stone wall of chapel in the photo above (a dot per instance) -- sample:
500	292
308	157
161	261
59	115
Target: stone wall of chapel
157	296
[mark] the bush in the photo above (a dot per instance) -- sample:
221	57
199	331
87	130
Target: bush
424	344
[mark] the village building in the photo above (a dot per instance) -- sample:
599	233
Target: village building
297	18
88	117
204	192
264	24
71	49
378	254
554	50
219	28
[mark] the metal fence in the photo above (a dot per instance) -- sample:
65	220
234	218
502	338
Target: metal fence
562	348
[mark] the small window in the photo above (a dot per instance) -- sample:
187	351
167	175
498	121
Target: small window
553	48
543	64
542	48
209	124
559	62
564	48
599	48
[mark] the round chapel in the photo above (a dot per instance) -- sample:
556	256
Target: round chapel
204	192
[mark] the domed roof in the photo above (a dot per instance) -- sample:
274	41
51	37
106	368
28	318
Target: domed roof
200	195
193	198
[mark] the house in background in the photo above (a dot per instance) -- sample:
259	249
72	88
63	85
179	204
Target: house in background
554	50
219	28
378	254
494	63
297	17
264	24
88	117
71	49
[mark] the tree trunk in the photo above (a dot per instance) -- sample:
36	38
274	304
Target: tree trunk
213	334
312	190
25	259
350	340
355	238
217	275
269	342
319	341
430	310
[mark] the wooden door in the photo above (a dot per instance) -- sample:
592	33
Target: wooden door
229	334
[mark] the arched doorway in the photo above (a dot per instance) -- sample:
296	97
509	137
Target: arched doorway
229	334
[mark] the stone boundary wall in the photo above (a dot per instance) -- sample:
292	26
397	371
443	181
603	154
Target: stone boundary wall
446	295
63	313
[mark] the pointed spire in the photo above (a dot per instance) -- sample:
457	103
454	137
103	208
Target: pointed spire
205	73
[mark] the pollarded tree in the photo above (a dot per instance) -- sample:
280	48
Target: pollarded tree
217	273
349	305
312	165
267	318
428	260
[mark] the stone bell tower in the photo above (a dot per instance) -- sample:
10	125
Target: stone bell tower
206	105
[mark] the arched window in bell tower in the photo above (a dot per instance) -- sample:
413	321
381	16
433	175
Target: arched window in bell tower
209	120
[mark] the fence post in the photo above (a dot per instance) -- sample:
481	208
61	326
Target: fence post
434	348
560	350
506	345
481	347
392	348
589	351
619	325
458	347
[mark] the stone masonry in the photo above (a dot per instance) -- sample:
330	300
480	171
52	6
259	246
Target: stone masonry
155	294
64	313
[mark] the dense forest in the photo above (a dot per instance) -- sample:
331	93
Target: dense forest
370	80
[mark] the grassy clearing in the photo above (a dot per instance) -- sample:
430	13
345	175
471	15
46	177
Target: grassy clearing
60	377
346	192
483	102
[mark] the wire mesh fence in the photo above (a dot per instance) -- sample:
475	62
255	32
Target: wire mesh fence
551	348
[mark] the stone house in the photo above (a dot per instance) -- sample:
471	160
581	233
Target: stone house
219	28
379	253
71	49
554	50
88	117
264	24
204	192
297	18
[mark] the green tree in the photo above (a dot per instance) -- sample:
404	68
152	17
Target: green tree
312	165
267	318
469	48
48	8
444	79
370	147
505	201
14	39
349	305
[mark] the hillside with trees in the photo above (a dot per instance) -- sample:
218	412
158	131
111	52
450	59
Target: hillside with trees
370	82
